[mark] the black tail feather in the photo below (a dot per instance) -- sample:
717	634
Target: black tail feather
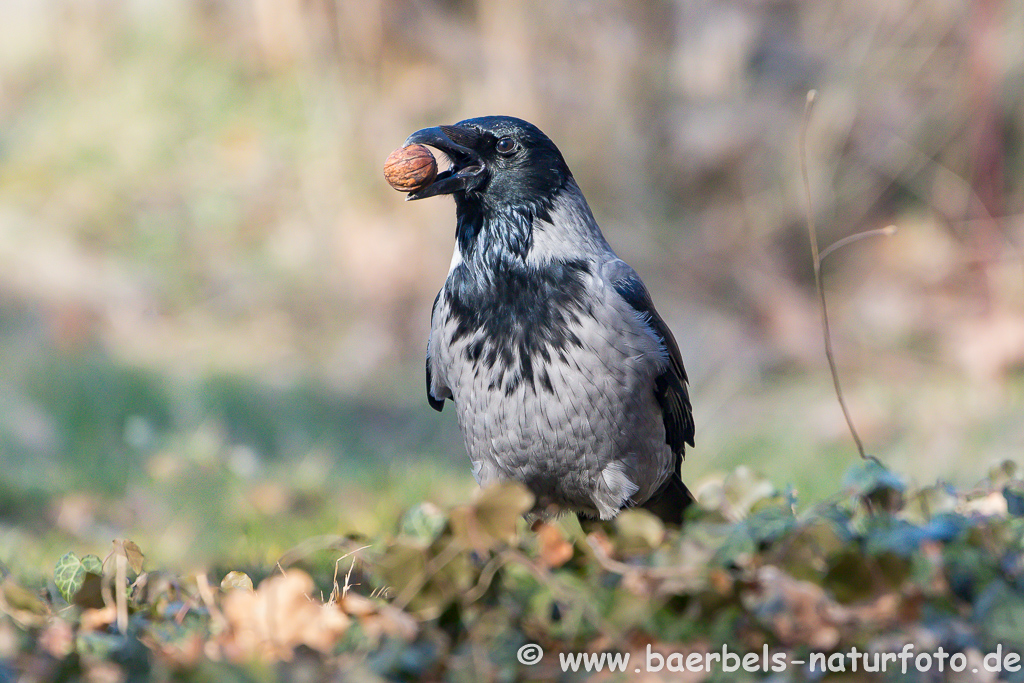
670	501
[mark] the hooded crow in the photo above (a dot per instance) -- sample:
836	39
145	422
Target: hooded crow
563	375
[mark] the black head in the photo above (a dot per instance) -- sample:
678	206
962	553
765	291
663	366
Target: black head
498	162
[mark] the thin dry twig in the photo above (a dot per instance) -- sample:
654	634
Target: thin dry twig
486	577
206	594
656	575
887	231
812	231
120	591
338	591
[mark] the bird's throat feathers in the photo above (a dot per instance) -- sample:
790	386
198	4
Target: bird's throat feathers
555	226
489	233
490	237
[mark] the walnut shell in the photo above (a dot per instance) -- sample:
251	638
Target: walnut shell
411	168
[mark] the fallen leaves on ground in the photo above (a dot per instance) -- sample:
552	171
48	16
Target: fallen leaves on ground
454	594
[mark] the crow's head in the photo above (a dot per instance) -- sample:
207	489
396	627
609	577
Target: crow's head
498	163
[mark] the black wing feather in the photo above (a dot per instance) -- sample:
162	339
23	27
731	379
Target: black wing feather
435	403
670	386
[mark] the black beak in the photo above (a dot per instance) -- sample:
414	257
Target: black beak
456	143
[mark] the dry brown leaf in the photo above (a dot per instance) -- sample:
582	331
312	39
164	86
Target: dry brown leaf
279	616
97	619
554	549
269	498
91	594
357	605
134	555
884	610
720	581
797	612
103	672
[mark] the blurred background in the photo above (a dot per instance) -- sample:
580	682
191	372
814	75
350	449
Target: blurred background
213	310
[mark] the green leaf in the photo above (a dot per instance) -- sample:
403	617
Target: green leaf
770	523
423	522
877	485
850	577
739	547
493	517
92	564
499	508
744	488
637	532
1014	494
20	598
925	503
999	611
871	476
69	573
1003	473
401	564
806	552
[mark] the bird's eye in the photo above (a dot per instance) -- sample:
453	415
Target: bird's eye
505	146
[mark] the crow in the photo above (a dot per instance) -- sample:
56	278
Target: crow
563	375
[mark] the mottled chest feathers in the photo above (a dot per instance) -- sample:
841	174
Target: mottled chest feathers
513	320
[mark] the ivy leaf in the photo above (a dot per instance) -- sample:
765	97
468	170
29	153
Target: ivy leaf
90	595
806	552
69	573
493	517
500	507
423	522
739	547
770	523
926	503
93	565
637	532
1014	494
874	483
744	488
20	598
999	611
849	577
